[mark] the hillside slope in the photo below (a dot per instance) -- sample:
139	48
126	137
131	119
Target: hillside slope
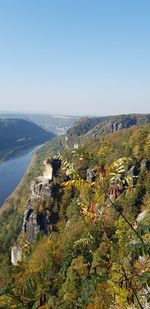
81	234
96	126
17	133
58	124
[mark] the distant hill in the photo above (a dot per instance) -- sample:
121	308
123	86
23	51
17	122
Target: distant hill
96	126
58	124
18	133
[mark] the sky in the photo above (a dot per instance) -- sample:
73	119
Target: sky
75	57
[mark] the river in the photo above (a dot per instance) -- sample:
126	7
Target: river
12	171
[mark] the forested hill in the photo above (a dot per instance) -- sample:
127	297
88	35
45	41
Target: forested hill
95	126
58	124
77	229
18	133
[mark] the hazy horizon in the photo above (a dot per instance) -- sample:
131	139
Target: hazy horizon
75	58
65	115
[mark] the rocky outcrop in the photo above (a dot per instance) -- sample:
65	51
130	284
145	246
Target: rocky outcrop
122	124
30	226
48	170
96	126
16	254
38	217
112	125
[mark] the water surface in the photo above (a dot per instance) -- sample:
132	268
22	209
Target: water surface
12	171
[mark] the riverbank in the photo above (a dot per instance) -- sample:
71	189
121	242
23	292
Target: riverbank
13	170
9	152
20	192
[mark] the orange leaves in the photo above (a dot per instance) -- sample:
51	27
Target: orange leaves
58	256
77	183
91	212
46	306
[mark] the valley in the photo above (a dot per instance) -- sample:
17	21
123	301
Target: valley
79	220
13	169
18	134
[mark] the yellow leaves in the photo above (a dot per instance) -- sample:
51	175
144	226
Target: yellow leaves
119	166
121	284
91	212
120	178
84	241
146	202
89	217
9	302
26	278
119	234
121	295
116	272
40	256
5	301
99	197
142	265
147	144
105	149
101	299
46	306
80	266
69	167
77	183
58	256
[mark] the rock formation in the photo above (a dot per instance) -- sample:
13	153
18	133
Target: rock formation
37	217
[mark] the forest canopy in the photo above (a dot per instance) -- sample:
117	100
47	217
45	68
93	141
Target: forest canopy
96	255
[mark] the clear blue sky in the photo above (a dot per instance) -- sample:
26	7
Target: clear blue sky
75	56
